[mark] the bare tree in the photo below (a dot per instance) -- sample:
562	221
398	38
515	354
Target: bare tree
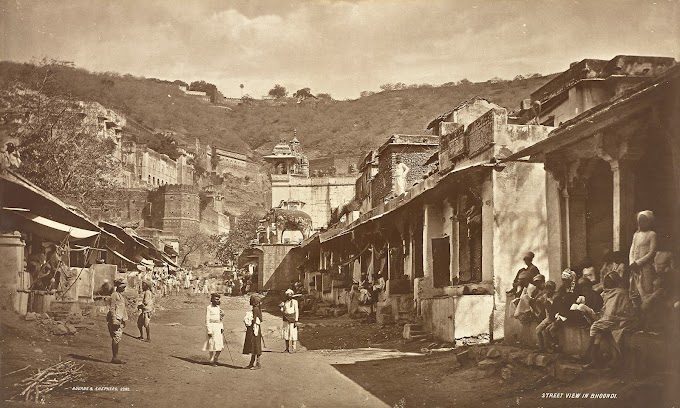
191	241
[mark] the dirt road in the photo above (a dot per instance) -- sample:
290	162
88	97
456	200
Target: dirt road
347	364
172	370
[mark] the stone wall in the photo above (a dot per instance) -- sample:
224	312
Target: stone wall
278	267
175	208
320	194
383	184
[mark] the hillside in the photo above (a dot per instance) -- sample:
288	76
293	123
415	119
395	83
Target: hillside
356	126
342	128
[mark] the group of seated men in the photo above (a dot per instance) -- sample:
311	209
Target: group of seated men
607	302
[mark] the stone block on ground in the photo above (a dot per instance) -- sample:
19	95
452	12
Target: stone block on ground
60	329
30	316
74	318
506	373
488	364
543	360
45	315
71	328
530	359
567	372
493	353
518	356
464	356
339	312
410	328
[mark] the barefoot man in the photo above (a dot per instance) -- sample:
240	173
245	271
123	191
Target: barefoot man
117	317
215	329
145	310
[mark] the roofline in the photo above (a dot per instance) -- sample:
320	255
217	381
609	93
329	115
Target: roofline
594	118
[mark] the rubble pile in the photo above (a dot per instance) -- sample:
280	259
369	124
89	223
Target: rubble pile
505	360
67	325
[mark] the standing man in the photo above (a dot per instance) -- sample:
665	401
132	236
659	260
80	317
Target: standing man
291	314
117	317
145	310
400	172
214	316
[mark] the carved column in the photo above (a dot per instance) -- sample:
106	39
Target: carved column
622	155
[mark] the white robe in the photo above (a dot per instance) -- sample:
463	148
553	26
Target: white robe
214	326
289	330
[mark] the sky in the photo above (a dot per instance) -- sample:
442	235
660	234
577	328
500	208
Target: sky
336	47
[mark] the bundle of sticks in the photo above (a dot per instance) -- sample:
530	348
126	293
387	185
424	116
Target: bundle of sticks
36	386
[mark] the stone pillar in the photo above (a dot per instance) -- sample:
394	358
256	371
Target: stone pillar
624	201
427	254
577	225
11	270
555	226
575	211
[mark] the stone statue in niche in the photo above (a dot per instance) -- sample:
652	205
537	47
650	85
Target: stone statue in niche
400	172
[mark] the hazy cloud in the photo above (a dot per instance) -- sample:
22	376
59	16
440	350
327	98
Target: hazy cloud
339	47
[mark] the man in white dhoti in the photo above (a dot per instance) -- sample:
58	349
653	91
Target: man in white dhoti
291	314
400	172
215	329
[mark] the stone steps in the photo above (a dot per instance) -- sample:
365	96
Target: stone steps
413	329
419	337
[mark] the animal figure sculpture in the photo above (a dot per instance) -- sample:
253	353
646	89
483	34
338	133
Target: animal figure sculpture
289	220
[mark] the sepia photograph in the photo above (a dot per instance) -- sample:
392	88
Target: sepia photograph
340	203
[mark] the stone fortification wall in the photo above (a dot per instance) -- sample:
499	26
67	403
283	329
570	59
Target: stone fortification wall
175	208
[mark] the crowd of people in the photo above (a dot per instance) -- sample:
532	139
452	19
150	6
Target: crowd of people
639	293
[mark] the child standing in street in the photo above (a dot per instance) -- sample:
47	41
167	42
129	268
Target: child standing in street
253	342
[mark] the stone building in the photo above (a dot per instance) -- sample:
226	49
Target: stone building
589	83
228	158
175	208
368	168
106	123
150	169
611	161
448	248
290	181
413	150
604	165
214	218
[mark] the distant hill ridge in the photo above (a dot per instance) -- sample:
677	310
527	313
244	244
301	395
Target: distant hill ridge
324	127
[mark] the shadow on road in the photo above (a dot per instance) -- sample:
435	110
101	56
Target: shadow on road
86	358
205	363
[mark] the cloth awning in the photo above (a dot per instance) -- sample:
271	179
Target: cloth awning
168	260
119	232
18	192
168	249
121	256
49	229
145	242
147	262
